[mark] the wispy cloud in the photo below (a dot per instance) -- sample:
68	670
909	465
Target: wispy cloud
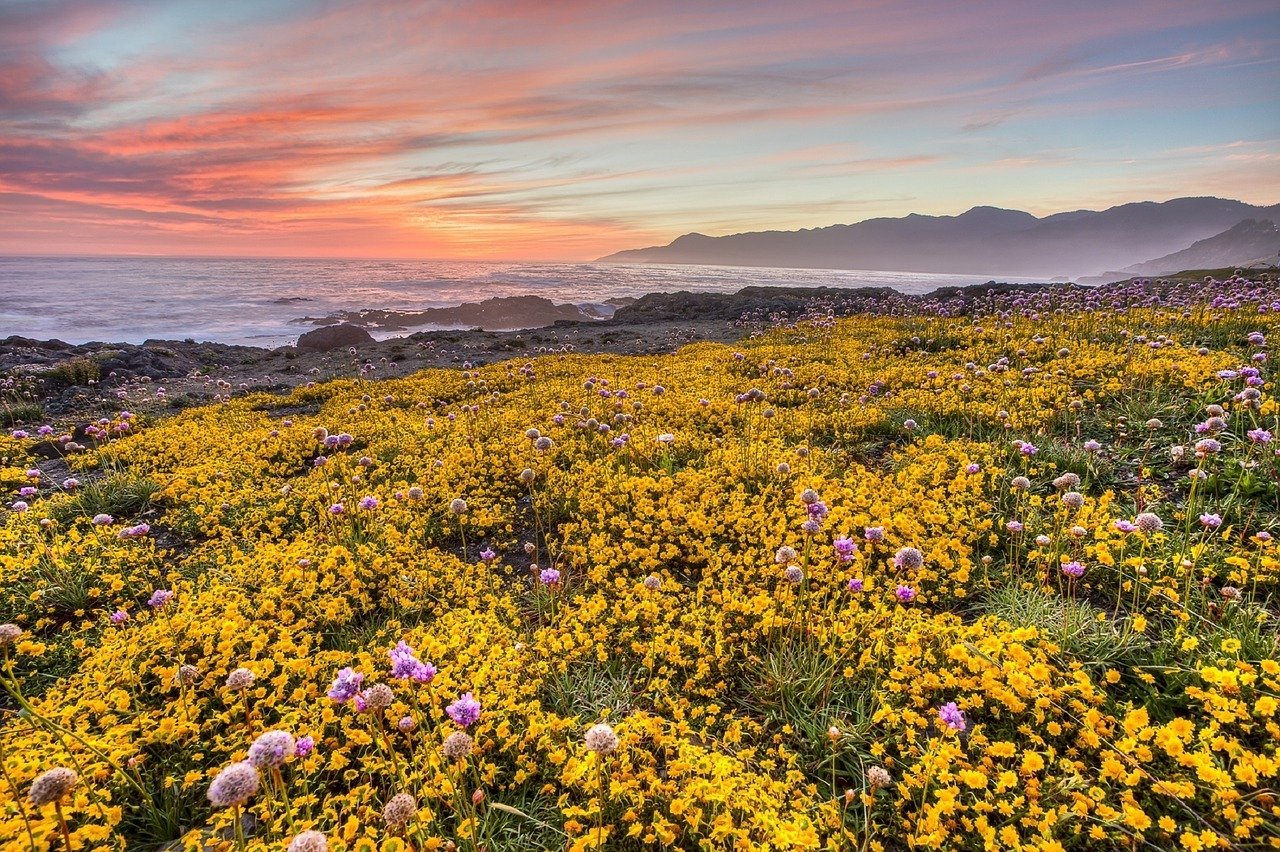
501	128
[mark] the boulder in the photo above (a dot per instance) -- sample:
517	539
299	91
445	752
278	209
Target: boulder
334	337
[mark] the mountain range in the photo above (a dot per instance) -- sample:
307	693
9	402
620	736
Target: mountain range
1248	242
993	241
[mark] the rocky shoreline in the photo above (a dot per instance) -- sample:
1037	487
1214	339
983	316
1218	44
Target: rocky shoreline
506	313
49	380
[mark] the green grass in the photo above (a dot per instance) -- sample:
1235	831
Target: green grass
20	412
522	820
121	495
1255	628
800	686
72	372
1082	631
172	809
586	690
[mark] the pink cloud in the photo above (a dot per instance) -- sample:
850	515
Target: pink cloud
489	128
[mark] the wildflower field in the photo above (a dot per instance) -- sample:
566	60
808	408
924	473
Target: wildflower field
993	573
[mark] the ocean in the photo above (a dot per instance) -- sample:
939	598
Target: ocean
254	301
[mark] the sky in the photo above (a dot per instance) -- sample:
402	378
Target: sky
568	129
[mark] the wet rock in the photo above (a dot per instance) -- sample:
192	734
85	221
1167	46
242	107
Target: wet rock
685	306
501	313
334	337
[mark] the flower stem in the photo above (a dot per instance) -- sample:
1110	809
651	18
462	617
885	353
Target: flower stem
62	823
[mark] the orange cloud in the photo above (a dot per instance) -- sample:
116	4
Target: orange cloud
528	130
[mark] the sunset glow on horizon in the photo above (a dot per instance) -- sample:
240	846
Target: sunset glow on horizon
567	130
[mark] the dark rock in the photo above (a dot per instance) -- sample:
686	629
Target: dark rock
501	313
334	337
16	341
47	450
683	306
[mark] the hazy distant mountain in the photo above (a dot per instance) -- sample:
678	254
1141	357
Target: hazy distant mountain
981	241
1246	243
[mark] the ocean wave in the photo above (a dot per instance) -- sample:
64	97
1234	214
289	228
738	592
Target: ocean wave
252	301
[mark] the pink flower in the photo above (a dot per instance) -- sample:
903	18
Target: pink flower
465	711
952	716
346	685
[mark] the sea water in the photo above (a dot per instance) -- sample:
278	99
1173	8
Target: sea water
258	302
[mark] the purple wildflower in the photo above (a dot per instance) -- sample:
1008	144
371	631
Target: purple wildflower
304	746
905	594
465	711
909	559
119	617
1149	522
235	785
159	598
1211	522
1073	569
271	749
406	665
549	576
952	716
346	685
845	549
856	584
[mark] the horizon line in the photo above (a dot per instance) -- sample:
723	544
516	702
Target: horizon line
601	258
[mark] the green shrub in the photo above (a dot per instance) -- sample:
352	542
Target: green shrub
73	372
1079	629
121	495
